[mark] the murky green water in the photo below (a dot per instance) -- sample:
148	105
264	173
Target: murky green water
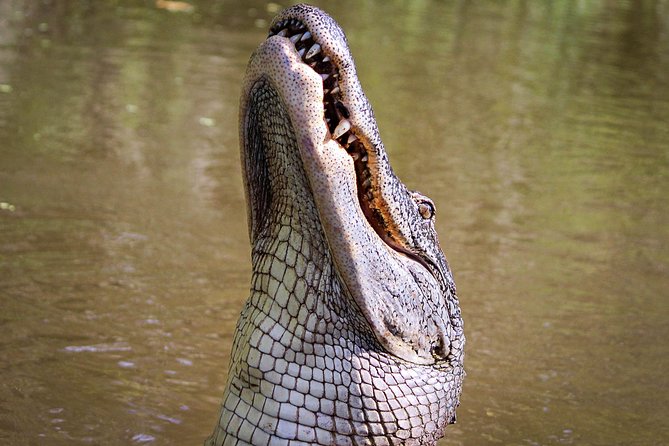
541	129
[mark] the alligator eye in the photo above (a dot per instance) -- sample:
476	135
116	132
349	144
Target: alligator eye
426	209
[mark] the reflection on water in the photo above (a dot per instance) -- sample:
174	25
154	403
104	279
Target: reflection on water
540	129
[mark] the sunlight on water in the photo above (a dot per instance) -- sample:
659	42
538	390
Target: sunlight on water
539	129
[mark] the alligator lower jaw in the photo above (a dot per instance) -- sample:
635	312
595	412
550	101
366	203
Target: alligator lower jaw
337	118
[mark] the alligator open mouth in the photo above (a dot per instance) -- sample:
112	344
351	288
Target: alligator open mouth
335	112
336	115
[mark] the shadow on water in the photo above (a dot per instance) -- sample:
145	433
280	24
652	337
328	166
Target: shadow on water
539	129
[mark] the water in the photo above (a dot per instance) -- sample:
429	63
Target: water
539	128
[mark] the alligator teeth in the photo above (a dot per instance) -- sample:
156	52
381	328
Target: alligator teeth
306	36
315	49
351	138
366	183
326	59
341	108
283	32
325	76
335	90
301	52
343	127
295	38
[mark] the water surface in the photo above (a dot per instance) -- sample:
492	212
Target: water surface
539	128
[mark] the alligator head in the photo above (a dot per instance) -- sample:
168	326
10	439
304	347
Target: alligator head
352	333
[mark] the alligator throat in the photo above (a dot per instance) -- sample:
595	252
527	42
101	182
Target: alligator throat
352	333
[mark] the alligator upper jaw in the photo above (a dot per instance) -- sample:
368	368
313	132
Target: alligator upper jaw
350	180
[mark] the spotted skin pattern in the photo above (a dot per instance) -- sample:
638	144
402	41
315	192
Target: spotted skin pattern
307	366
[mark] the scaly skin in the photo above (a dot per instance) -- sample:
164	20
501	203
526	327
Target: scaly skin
352	333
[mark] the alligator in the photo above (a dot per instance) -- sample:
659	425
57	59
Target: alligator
352	333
